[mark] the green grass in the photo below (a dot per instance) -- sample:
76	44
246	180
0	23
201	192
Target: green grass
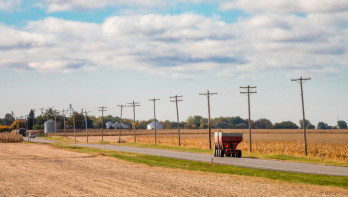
301	159
339	181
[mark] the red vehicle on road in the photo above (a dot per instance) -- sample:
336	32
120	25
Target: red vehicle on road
226	144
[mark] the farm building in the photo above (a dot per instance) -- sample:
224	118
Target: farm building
109	125
50	126
151	125
117	126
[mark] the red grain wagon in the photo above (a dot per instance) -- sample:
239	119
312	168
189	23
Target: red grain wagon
226	144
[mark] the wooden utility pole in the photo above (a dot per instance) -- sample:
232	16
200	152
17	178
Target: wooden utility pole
176	97
208	94
120	127
41	109
249	91
64	120
134	104
71	110
55	113
102	109
301	81
86	124
154	116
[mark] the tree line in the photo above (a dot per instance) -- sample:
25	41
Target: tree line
193	122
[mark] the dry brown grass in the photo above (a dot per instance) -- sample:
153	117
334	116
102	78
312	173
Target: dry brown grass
10	138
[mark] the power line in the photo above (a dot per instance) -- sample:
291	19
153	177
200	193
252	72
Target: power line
176	97
154	116
301	81
102	109
249	91
208	94
134	104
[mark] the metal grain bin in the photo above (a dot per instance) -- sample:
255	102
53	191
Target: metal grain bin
50	126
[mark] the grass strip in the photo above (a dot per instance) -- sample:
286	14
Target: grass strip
338	181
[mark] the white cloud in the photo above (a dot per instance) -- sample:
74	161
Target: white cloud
9	5
286	6
181	45
69	5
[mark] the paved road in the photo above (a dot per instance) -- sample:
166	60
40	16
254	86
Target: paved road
241	162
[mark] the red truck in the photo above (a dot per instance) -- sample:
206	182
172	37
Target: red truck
226	143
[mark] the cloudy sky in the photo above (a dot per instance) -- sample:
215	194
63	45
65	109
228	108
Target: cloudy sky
92	53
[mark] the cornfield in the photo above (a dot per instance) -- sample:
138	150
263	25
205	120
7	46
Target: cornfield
10	138
322	144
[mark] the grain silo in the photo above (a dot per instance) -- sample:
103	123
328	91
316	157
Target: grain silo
50	126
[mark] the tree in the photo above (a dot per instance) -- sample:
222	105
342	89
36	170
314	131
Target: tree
8	120
342	124
30	119
263	124
322	125
308	124
193	122
285	125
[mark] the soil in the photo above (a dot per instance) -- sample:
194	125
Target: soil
42	170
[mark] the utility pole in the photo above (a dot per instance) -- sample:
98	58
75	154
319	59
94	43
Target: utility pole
55	113
64	121
208	94
120	127
102	109
177	99
71	110
41	109
154	116
301	81
86	124
134	104
249	91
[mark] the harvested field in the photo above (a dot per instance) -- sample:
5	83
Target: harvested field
10	138
56	172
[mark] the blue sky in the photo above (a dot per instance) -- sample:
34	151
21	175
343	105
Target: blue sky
105	53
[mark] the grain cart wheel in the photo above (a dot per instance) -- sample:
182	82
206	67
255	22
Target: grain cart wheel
239	154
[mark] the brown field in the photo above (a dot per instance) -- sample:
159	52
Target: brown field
10	138
41	170
322	144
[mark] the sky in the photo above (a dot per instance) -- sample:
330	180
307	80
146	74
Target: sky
93	53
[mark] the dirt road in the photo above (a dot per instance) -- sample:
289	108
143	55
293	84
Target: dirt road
41	170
